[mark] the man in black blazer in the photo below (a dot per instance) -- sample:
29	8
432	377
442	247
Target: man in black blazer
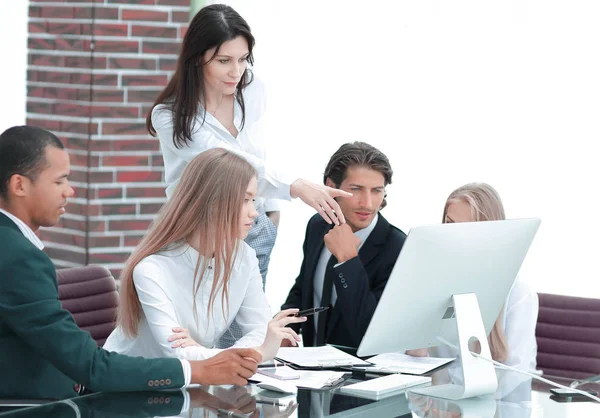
347	266
43	354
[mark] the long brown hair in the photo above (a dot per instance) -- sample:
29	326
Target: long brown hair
212	26
204	210
486	205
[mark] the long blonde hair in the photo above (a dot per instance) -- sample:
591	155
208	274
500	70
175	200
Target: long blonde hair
205	209
486	205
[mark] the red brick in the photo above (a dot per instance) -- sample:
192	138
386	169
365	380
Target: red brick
85	61
83	209
83	160
76	144
144	15
97	226
102	177
180	17
167	64
182	31
125	161
78	175
151	2
106	13
134	225
60	28
110	29
139	176
79	127
119	209
132	240
155	47
98	79
144	80
65	255
150	208
146	109
110	241
111	257
109	193
132	63
49	76
37	27
157	161
137	192
57	12
35	11
40	107
62	44
85	12
136	145
98	145
107	95
63	93
115	112
62	237
43	44
50	125
75	224
71	109
143	96
47	60
184	3
124	128
154	31
114	46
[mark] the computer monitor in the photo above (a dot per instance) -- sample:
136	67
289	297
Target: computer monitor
436	263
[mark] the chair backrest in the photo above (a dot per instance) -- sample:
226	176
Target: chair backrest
90	294
568	336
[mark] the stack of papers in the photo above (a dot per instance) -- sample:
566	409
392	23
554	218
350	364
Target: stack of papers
324	357
403	363
307	378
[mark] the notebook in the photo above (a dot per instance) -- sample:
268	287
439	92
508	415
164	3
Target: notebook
402	363
383	387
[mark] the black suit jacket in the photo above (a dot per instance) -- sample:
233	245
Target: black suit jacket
365	278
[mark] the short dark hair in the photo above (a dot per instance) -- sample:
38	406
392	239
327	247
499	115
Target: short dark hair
23	151
357	154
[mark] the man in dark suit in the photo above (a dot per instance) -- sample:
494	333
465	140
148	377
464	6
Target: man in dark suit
347	266
43	354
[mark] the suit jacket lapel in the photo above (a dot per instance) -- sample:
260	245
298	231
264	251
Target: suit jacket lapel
316	247
366	254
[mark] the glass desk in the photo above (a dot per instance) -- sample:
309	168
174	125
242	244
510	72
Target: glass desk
517	397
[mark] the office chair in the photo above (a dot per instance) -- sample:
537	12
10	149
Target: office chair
90	294
568	336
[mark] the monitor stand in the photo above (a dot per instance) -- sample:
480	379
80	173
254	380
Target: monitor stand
479	376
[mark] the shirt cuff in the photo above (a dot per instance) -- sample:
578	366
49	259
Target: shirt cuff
186	401
187	372
272	205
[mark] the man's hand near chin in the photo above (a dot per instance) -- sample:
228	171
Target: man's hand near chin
230	367
287	343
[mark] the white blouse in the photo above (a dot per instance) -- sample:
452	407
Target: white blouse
519	322
249	144
164	283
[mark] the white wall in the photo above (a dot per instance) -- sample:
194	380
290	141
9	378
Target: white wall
453	91
13	55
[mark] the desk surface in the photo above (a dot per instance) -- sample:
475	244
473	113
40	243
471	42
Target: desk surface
516	397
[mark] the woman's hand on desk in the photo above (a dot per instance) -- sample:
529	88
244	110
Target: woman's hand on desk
277	331
321	198
181	338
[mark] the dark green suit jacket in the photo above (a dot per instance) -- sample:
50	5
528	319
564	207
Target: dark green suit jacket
43	354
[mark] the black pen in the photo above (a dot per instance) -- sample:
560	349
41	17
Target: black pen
261	401
311	311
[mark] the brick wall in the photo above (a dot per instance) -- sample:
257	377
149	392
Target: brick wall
94	69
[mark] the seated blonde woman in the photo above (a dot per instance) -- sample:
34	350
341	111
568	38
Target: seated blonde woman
512	339
193	271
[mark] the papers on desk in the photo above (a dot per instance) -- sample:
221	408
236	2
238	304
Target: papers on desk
402	363
324	357
311	379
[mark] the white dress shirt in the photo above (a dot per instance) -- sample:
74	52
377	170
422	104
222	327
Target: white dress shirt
26	230
249	144
319	278
519	322
164	284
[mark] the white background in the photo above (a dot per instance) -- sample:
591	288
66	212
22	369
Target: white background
506	92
